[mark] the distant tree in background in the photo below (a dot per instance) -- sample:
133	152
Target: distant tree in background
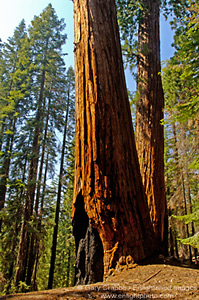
140	31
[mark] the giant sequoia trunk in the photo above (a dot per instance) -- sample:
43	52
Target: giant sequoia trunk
110	213
149	131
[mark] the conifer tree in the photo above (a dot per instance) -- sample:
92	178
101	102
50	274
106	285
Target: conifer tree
69	102
140	32
180	79
33	97
14	89
46	41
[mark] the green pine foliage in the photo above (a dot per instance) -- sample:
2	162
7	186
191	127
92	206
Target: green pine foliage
34	88
181	82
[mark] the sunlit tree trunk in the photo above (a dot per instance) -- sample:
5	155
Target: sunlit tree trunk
149	131
110	214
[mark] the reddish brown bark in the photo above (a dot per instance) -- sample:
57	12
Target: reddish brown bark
109	203
149	131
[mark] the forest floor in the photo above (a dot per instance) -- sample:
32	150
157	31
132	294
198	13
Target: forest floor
160	279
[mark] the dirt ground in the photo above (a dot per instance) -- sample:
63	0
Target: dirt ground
157	280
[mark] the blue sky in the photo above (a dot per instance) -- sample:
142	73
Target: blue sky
13	11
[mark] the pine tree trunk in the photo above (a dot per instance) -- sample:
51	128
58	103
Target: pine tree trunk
171	238
55	232
68	266
189	198
180	208
2	126
6	166
29	201
185	213
176	245
12	262
23	253
37	243
32	252
149	131
110	214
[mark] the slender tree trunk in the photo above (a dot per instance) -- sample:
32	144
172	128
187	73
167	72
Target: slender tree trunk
179	179
13	251
171	237
110	214
42	160
32	252
54	244
29	202
185	212
37	243
2	133
176	246
149	131
17	229
68	266
189	197
6	166
23	252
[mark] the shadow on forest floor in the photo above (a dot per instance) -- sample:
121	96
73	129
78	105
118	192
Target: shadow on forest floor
172	261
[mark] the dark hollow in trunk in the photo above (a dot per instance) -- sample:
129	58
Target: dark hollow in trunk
89	249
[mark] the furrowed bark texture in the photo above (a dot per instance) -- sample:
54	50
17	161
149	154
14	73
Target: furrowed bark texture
109	204
149	131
